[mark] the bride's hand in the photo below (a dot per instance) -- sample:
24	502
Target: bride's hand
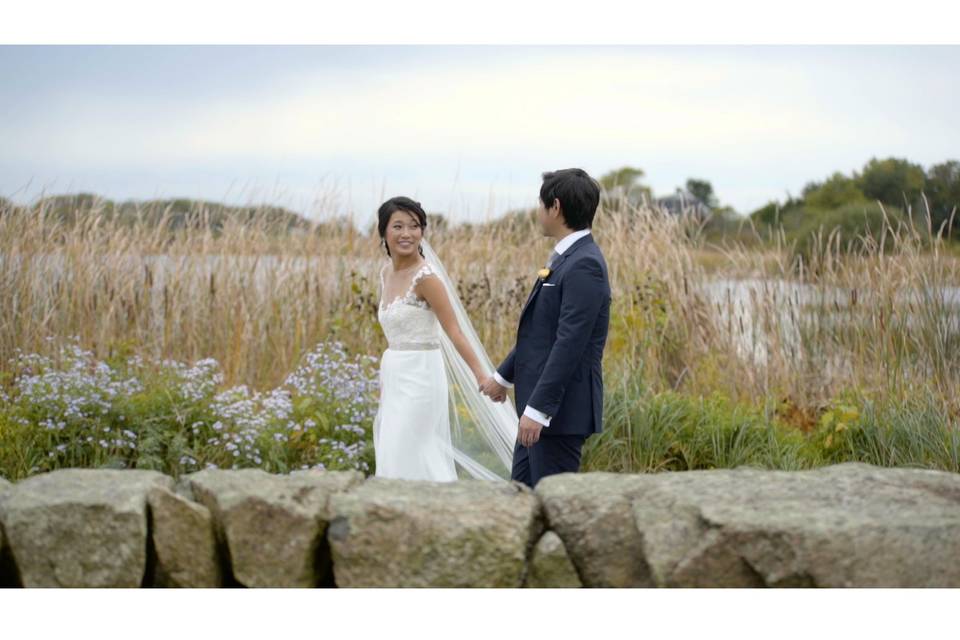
492	389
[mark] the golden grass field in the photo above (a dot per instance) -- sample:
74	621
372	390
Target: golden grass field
877	321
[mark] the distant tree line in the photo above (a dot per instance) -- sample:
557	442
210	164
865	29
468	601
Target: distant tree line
903	187
174	214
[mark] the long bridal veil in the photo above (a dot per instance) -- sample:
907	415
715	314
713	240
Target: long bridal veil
483	432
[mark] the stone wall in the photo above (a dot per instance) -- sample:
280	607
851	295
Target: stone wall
848	525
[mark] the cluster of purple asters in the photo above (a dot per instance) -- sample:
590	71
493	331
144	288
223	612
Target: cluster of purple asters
79	398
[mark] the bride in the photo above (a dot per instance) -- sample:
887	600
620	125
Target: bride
430	379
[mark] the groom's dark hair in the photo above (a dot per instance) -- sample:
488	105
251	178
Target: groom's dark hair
578	193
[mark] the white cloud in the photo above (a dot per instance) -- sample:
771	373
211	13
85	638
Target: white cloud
736	113
603	102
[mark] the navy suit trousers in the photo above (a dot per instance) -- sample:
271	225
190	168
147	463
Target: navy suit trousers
548	455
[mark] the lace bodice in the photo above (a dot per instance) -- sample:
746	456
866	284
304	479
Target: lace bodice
409	320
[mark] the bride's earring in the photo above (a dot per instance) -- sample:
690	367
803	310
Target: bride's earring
420	248
383	243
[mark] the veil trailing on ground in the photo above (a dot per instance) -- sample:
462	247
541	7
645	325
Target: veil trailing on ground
483	432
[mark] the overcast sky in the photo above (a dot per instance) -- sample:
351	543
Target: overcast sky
465	130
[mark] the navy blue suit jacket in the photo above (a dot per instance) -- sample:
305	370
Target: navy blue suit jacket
555	365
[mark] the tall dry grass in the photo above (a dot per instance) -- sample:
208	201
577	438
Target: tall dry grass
256	299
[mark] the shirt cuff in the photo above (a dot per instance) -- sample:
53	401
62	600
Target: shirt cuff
501	381
536	416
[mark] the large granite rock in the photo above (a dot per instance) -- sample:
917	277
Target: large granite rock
550	566
80	527
271	527
184	541
406	533
8	571
4	486
848	525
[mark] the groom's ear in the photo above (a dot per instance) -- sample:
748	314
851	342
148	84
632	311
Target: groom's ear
555	207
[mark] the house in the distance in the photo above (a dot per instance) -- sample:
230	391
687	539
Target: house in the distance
685	203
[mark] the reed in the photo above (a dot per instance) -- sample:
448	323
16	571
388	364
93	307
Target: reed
255	297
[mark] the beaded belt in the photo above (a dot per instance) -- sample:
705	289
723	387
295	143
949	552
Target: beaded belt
414	346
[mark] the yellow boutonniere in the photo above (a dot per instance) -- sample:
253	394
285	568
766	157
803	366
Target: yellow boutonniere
543	273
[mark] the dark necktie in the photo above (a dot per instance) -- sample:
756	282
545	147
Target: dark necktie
553	257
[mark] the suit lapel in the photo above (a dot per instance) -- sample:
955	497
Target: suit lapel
556	266
533	292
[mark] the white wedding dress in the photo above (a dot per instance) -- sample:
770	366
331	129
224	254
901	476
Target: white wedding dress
411	431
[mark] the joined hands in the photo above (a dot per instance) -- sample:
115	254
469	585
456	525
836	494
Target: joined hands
493	389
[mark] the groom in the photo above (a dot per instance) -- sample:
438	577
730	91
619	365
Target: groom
555	364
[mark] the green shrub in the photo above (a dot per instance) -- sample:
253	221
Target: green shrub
669	431
646	432
909	433
848	229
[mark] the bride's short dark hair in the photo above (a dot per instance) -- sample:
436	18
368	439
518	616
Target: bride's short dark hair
398	203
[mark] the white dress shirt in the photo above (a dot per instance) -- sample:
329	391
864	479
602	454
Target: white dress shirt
529	411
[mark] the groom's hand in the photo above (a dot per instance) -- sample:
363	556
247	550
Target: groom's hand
493	389
529	431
